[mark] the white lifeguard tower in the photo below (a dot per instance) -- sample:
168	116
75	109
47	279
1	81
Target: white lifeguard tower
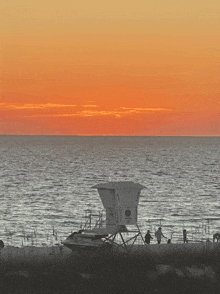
120	200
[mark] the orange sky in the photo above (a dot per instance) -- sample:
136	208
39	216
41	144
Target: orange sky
93	67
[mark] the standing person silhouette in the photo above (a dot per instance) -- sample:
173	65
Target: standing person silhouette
148	237
158	234
185	240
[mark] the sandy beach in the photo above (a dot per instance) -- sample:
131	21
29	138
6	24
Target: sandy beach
32	253
160	268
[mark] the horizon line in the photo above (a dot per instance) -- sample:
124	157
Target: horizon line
59	135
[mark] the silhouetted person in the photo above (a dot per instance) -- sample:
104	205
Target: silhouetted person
2	244
148	237
185	240
168	241
216	236
158	234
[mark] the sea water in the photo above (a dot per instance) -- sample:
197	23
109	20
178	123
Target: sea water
45	184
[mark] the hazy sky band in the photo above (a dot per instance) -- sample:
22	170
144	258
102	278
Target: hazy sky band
114	58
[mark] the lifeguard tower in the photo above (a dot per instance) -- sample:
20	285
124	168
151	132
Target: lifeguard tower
120	200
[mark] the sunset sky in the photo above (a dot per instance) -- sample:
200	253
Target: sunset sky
98	67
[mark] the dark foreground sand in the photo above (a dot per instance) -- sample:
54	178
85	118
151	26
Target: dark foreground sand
164	268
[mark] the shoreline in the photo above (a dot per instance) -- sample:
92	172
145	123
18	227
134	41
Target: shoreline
39	253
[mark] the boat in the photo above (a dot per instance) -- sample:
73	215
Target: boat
85	239
91	235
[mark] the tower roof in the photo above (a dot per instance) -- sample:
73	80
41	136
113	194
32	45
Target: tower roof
119	185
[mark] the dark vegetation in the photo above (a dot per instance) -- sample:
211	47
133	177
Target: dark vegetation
110	272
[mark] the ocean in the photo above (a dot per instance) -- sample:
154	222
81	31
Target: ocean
45	184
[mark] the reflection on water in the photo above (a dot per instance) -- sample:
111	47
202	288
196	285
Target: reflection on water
46	183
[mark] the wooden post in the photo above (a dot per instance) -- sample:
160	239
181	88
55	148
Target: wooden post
123	240
140	232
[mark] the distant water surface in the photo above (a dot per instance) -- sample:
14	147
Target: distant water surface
45	184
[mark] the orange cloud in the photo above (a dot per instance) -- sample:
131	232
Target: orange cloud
33	106
117	113
138	110
90	105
